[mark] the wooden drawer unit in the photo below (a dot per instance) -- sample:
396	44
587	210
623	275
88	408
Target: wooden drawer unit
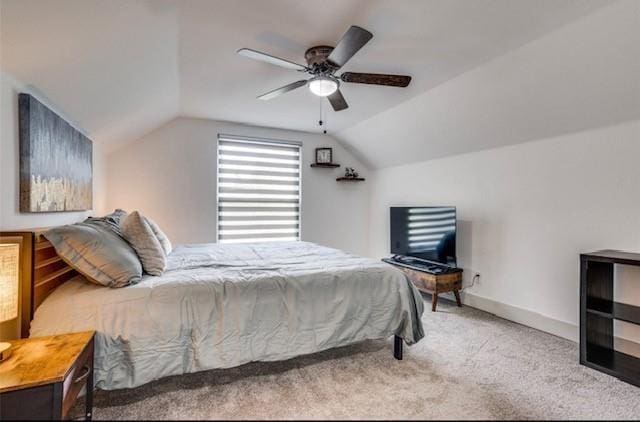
44	376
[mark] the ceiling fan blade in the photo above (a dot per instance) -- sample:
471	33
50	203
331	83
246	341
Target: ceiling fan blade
376	79
283	89
267	58
337	101
352	41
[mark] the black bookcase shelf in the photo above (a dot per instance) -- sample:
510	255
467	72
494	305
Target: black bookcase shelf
612	362
614	310
598	310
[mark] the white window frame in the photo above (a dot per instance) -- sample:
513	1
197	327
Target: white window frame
260	141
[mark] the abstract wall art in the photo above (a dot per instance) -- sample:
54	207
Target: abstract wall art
56	165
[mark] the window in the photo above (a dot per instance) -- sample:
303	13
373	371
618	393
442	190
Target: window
258	190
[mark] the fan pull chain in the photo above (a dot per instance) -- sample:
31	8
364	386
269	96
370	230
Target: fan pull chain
321	122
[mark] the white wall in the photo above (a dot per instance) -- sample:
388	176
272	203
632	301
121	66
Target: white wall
10	216
526	212
170	174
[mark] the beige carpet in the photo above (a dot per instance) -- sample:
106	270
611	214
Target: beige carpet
470	365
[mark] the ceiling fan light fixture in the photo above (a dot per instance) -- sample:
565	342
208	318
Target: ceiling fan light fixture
323	86
323	62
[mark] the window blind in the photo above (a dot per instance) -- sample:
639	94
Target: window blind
258	190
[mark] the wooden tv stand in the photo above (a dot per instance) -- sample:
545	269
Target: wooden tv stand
433	284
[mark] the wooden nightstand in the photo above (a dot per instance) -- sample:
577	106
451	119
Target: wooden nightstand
43	377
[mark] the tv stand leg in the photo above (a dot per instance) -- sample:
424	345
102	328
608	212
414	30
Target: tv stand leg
434	301
456	292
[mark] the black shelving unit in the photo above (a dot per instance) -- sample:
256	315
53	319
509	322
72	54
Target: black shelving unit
598	310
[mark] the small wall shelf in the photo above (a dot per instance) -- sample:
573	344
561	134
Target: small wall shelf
325	165
598	310
350	179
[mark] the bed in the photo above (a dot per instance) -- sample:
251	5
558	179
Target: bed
220	306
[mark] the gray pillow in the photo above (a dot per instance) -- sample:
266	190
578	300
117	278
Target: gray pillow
97	252
138	233
162	238
113	220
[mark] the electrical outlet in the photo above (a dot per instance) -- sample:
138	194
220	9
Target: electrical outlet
474	279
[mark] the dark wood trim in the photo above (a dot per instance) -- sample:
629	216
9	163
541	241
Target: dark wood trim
613	257
350	179
327	165
401	81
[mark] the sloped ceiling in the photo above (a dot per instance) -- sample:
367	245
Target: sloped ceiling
123	67
432	40
582	76
111	66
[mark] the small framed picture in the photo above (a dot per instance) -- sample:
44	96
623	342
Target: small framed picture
324	156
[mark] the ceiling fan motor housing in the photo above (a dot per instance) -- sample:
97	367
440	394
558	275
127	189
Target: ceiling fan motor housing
317	58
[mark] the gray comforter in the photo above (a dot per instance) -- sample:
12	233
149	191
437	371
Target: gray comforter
219	306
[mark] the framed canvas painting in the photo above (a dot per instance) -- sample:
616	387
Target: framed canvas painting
56	161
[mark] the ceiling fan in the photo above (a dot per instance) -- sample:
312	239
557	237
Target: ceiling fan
322	63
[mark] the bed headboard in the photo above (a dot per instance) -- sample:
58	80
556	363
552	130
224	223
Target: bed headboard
49	270
42	270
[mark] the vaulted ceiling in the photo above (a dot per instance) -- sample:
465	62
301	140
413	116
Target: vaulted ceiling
582	76
122	67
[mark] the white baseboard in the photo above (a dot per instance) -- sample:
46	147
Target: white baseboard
523	316
538	321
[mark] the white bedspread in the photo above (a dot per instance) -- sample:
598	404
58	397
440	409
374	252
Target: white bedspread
219	306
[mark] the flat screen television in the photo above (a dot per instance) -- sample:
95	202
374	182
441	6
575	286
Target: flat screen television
427	233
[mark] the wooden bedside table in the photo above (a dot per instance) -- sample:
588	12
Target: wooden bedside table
43	376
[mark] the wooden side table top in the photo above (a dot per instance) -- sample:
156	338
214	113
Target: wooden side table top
41	360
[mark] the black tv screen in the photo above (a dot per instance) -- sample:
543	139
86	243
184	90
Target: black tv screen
427	233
